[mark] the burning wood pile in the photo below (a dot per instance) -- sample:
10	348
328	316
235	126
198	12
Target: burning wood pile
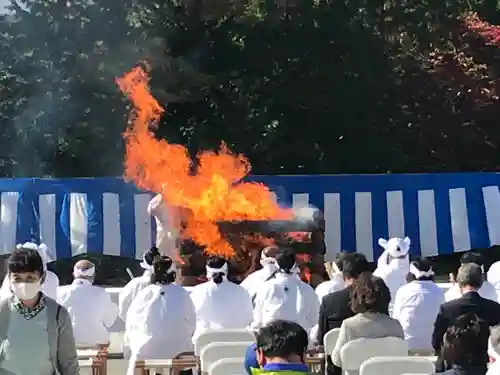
222	214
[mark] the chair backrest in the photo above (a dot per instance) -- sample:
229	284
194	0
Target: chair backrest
227	366
355	352
330	340
219	350
221	335
396	366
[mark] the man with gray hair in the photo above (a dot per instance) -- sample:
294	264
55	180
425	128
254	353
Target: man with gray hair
469	279
91	309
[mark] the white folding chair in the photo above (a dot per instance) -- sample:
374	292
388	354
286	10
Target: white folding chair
355	352
220	350
222	335
227	366
396	366
330	340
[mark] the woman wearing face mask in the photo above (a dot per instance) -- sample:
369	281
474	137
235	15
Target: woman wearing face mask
51	283
36	331
217	300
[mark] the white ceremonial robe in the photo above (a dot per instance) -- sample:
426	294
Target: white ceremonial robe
416	307
335	284
493	276
160	323
487	291
166	233
286	297
91	310
130	291
225	305
49	287
253	281
394	275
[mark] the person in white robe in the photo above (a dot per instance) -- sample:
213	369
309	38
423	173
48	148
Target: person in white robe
51	280
493	276
336	281
285	296
252	282
416	306
487	290
220	303
394	264
134	286
161	320
90	307
166	231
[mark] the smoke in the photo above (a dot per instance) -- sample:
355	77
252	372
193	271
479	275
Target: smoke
67	100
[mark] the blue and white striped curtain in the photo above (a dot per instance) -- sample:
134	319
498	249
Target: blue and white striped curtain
441	213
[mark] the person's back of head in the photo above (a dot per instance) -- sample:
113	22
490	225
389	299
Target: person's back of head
338	264
370	294
84	269
164	270
26	273
472	257
285	259
148	258
282	341
463	341
353	265
216	269
421	269
495	340
469	277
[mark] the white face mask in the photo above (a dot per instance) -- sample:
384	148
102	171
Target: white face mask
26	291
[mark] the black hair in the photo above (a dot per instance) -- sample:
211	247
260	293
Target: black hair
465	342
339	260
160	275
423	265
285	258
472	257
151	254
353	265
370	294
217	262
282	339
25	260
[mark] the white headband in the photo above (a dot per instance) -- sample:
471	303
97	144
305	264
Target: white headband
78	272
418	274
211	272
145	265
264	259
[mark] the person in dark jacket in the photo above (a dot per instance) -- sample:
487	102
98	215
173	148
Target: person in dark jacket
462	345
469	279
335	307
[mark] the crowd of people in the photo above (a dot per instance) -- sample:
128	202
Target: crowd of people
46	322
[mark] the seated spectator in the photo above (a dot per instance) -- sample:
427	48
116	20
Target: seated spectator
469	280
416	306
336	281
36	332
370	299
487	289
494	347
281	349
285	296
335	306
91	321
463	346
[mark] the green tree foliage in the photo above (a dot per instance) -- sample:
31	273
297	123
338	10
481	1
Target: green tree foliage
299	86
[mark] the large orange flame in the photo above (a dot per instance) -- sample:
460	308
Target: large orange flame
214	192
